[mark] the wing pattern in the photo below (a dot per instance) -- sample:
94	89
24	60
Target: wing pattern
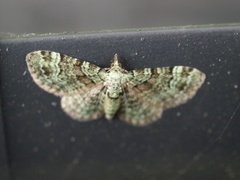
153	90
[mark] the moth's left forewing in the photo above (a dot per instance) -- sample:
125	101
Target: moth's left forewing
184	84
150	91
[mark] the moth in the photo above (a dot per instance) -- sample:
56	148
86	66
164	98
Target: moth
88	92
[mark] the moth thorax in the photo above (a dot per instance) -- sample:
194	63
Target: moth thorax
114	92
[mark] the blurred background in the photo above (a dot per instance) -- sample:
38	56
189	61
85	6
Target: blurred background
43	16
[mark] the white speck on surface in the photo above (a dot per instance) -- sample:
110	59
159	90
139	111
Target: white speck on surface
205	114
35	149
209	131
24	73
72	139
54	104
75	161
52	140
47	124
235	86
178	114
229	72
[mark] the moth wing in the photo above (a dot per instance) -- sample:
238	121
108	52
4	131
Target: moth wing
61	74
137	109
84	106
153	90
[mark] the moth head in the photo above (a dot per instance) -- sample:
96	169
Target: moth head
116	63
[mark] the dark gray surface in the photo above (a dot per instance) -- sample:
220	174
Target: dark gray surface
4	169
44	143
